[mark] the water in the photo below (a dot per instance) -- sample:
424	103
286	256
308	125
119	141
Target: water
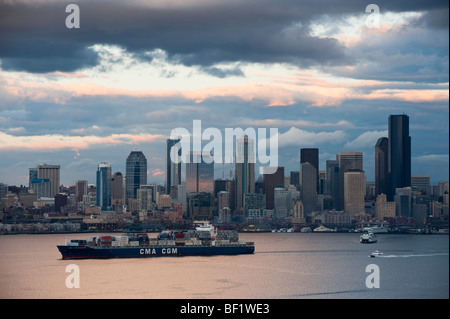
284	266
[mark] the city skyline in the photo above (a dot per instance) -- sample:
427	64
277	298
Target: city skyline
319	73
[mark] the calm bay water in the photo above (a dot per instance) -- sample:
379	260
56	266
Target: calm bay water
285	265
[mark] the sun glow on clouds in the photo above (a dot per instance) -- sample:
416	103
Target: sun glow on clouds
75	143
122	74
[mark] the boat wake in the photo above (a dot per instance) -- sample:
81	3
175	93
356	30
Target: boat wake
413	255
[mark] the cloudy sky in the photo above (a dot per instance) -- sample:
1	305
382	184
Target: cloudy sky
322	72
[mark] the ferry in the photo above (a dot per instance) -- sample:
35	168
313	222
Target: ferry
368	238
376	229
205	240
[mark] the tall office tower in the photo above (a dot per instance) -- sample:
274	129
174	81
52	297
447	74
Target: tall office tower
80	190
117	191
354	191
282	202
200	173
136	175
347	161
50	172
308	187
381	166
311	155
332	182
271	181
173	170
245	169
104	186
399	162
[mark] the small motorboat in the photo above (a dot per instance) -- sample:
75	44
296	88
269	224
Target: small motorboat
376	253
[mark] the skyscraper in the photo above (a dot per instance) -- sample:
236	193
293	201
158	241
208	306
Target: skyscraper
381	166
354	191
117	191
50	172
347	161
308	187
332	182
136	168
245	169
104	186
311	155
199	173
399	162
173	170
81	187
271	181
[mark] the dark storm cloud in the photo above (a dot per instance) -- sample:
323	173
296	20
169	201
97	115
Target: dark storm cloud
33	37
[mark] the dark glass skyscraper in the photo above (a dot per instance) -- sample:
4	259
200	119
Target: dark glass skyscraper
399	155
381	166
173	170
136	168
104	186
311	156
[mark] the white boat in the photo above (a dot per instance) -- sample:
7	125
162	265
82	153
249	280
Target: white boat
376	229
376	253
306	230
367	238
322	228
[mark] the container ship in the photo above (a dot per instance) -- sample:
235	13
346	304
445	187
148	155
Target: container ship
205	240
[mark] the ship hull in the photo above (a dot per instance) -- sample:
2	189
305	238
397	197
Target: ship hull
85	252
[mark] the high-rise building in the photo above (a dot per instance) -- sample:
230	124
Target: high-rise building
295	179
311	155
117	191
403	201
354	191
245	169
173	170
200	173
347	161
383	208
271	181
104	186
308	187
136	174
381	166
282	202
50	172
420	182
81	187
332	182
399	162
